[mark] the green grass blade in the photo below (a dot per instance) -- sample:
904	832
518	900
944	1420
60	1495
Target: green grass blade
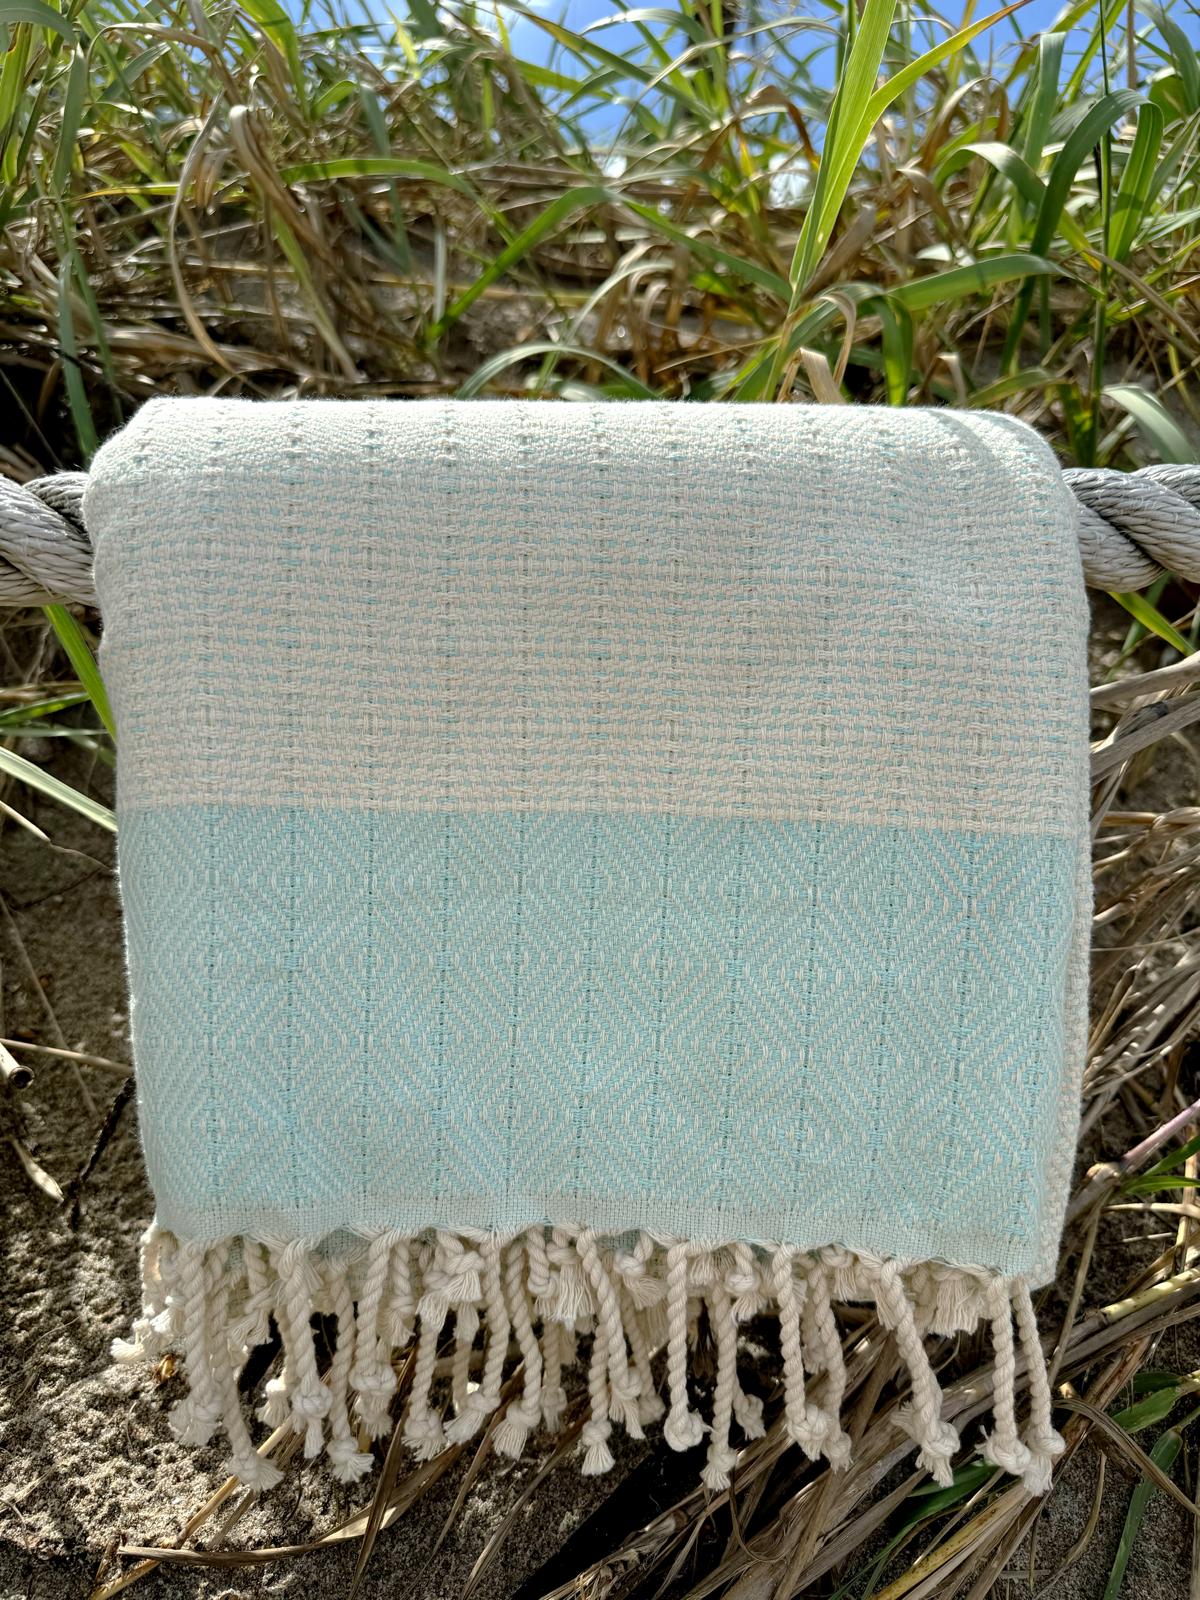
1163	1455
625	381
68	129
280	30
1087	133
844	139
1136	190
77	400
1167	439
70	636
37	15
26	772
20	716
979	277
1152	619
557	212
1183	52
1036	124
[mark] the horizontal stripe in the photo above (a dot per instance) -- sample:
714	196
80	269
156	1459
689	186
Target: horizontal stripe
710	1027
788	613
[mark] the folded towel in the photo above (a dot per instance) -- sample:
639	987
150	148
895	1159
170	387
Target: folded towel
589	869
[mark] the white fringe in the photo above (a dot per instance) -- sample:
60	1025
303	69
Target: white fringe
541	1290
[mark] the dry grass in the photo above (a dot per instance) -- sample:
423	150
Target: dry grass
197	199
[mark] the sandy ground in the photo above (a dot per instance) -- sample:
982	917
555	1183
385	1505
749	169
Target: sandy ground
86	1458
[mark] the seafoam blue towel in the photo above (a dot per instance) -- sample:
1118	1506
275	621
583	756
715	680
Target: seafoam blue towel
586	868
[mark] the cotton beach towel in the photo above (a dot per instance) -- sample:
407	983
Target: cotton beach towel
594	872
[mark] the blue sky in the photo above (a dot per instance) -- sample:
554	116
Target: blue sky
995	48
532	44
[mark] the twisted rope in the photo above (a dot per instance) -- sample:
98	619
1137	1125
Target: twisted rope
1133	526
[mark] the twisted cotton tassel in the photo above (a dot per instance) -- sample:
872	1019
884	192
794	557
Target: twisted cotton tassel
523	1415
466	1326
922	1418
276	1408
349	1463
642	1288
597	1430
826	1351
1003	1446
744	1284
481	1402
542	1287
213	1303
422	1427
245	1463
803	1424
571	1299
554	1396
398	1312
151	1331
721	1455
650	1405
683	1429
310	1398
253	1326
1044	1443
624	1386
196	1418
372	1376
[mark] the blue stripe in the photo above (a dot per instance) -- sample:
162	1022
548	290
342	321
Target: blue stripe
475	1115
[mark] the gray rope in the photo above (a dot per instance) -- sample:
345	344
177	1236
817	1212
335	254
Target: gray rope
1133	526
45	553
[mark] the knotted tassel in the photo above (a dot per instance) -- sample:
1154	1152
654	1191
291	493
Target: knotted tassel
744	1284
624	1385
310	1398
571	1299
349	1463
1003	1446
597	1430
803	1424
542	1287
650	1405
371	1375
481	1402
523	1415
826	1350
151	1337
422	1426
643	1289
398	1313
253	1326
721	1455
196	1418
245	1463
683	1429
1042	1440
922	1418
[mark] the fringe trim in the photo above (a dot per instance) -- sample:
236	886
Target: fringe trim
543	1290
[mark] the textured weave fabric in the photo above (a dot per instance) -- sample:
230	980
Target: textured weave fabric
633	817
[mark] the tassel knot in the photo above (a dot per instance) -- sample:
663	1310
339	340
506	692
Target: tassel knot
597	1457
518	1422
348	1462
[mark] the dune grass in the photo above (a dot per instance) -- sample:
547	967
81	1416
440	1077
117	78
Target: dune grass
712	202
715	202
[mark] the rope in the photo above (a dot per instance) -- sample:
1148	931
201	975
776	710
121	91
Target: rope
1133	526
